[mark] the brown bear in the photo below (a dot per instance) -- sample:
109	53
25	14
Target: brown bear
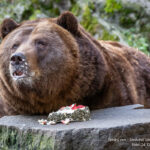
53	62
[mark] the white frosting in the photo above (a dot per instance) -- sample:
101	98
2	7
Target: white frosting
68	110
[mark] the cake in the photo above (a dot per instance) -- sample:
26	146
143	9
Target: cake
68	114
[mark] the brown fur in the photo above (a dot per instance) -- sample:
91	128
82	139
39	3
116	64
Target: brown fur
73	68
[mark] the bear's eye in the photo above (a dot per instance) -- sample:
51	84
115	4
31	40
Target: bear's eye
40	43
15	46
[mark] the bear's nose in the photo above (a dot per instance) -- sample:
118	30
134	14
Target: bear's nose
17	58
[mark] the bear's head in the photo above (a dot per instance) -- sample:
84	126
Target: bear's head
38	58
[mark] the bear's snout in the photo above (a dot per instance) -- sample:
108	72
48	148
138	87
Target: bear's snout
18	66
17	58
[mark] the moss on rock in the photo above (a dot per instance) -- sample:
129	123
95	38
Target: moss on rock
11	138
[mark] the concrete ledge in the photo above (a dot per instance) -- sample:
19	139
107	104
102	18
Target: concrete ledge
115	128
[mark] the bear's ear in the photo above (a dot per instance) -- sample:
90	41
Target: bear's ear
68	21
7	26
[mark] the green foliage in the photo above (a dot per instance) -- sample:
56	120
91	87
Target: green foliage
112	6
128	17
90	15
76	9
89	22
136	41
37	14
107	36
21	10
14	9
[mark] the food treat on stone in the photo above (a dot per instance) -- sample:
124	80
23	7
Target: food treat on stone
70	113
42	121
67	114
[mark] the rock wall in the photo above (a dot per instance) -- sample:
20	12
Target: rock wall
118	128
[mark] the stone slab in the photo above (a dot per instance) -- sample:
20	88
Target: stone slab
111	129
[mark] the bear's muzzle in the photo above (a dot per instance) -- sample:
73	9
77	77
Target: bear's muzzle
18	66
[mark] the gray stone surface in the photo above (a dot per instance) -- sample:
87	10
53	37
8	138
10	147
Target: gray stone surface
118	128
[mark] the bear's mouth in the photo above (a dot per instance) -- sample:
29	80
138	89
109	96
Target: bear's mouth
18	74
19	71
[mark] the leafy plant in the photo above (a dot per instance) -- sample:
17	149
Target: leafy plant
112	5
90	15
137	41
89	22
